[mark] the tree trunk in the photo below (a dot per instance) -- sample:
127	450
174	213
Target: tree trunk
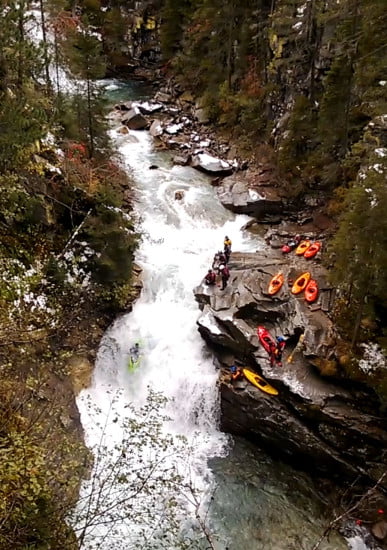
56	63
21	45
46	62
356	329
230	51
90	119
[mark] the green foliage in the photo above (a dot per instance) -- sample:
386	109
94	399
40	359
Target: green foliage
333	117
298	143
174	15
24	110
83	54
110	235
359	248
135	481
38	482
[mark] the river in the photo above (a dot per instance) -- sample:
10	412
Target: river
248	501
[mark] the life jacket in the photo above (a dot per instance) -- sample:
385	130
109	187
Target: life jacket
210	277
225	272
279	348
227	243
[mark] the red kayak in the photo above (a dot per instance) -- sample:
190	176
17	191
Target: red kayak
265	338
312	250
286	248
311	291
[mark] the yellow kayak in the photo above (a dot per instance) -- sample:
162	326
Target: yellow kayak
259	382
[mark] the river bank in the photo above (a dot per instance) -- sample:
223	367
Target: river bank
54	313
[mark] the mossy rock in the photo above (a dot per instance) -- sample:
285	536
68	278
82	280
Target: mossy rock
326	367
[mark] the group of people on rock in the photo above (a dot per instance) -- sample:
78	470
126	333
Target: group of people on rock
219	265
275	355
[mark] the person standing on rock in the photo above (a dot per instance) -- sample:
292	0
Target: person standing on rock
225	274
227	248
219	259
276	351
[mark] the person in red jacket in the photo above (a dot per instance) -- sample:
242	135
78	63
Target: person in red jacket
225	274
276	351
210	277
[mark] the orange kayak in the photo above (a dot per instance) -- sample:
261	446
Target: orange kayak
302	247
301	282
311	291
312	250
276	283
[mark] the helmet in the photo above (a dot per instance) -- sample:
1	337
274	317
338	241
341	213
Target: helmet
210	271
221	267
226	238
233	369
280	339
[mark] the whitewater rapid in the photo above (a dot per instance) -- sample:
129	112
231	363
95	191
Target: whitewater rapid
179	240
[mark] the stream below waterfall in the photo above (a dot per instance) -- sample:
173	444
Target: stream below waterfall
252	501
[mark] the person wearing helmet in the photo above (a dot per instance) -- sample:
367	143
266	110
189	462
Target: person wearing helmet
210	277
279	348
227	247
236	372
225	274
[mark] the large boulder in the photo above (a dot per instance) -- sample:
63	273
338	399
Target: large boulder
321	423
156	128
211	165
238	194
134	119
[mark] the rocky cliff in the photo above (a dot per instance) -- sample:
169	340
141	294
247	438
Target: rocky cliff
320	423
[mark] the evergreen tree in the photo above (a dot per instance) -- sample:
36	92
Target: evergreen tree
84	57
24	111
174	15
360	247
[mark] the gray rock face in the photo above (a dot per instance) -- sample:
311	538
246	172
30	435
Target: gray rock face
156	128
134	119
211	165
321	424
238	194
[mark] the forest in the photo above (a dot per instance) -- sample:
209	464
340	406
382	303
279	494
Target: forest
303	82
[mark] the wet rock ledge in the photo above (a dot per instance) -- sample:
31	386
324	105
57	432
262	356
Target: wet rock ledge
322	424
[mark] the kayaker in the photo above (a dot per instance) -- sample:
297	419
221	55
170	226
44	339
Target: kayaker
275	351
227	247
225	274
135	352
236	373
279	348
290	245
210	277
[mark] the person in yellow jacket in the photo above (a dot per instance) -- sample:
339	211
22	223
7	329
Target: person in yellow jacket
227	247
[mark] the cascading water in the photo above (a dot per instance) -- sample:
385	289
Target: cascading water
274	508
179	241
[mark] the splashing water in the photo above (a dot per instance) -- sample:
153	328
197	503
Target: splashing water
179	241
180	238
